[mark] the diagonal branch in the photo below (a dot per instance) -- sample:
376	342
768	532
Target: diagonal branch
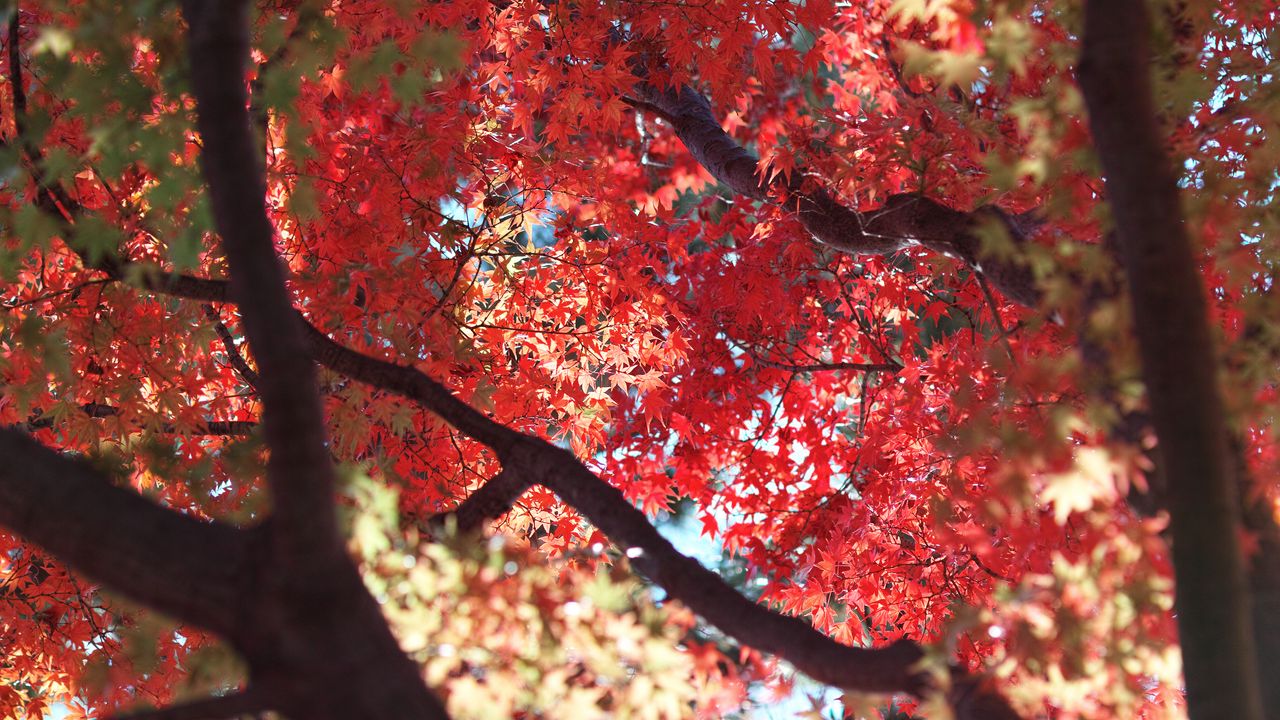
490	502
410	383
300	472
828	367
888	669
797	368
259	290
51	197
341	659
237	360
171	562
537	462
903	221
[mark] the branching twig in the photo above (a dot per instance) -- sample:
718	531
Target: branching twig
759	359
40	421
49	195
237	360
994	306
825	367
903	221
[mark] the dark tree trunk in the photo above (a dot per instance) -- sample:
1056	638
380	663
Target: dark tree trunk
1178	364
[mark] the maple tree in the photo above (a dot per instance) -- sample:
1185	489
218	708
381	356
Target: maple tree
355	353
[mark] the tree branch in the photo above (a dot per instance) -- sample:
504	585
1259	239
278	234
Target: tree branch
536	461
51	197
245	702
413	384
55	202
237	360
889	669
39	421
1178	363
904	220
828	367
299	470
490	502
258	288
339	658
759	359
886	669
179	566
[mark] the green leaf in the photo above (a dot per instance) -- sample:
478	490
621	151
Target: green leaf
280	88
172	189
302	200
185	249
57	164
1010	43
33	226
96	238
367	69
443	51
410	87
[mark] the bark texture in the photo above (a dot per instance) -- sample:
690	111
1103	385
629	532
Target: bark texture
314	638
168	561
300	472
1178	363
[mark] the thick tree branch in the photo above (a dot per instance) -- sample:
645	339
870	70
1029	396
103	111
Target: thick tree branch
904	220
300	472
491	501
889	669
1178	363
1264	591
886	669
535	461
179	566
412	384
1259	520
317	640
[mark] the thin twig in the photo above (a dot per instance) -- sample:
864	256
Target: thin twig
995	315
40	421
237	360
818	367
245	702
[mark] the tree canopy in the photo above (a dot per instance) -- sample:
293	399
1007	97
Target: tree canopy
640	358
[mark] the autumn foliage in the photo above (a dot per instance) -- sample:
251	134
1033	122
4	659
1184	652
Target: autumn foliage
833	288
